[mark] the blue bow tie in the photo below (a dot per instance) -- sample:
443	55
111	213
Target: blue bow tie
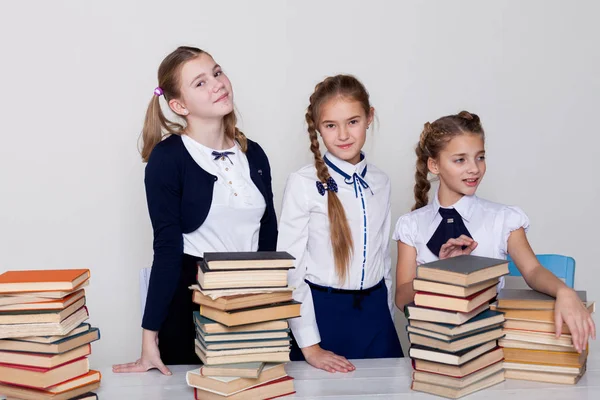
354	179
222	155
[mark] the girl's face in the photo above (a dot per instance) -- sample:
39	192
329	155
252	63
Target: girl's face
343	126
461	164
205	90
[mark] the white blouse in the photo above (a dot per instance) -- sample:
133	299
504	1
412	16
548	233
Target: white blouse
489	223
304	233
233	221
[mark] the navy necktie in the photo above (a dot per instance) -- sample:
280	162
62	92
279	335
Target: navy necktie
222	155
451	227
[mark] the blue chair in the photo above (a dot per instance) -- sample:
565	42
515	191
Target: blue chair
561	266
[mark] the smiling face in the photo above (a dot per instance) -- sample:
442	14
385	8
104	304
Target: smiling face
205	90
343	125
460	165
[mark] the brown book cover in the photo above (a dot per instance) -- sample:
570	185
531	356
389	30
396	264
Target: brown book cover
457	383
443	302
228	303
44	360
46	304
538	337
38	297
245	316
24	393
277	388
534	315
453	393
227	386
239	370
45	329
552	369
243	260
420	285
459	371
555	358
212	327
240	279
39	316
529	299
548	377
518	344
42	280
216	359
57	347
42	378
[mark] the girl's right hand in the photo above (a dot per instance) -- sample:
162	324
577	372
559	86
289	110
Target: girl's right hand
150	356
326	360
454	247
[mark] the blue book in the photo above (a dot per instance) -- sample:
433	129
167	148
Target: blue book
462	343
60	346
480	321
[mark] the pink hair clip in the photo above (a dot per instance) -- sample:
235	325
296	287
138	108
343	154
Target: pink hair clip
158	91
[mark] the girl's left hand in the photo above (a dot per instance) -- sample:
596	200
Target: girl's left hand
570	310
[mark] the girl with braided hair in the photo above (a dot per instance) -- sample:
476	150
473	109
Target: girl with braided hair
335	221
458	222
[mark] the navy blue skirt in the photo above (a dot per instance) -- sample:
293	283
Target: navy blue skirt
354	323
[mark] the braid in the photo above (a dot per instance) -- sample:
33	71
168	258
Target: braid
422	184
322	171
339	230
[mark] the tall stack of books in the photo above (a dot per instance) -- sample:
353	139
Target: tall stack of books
452	331
531	350
242	333
44	342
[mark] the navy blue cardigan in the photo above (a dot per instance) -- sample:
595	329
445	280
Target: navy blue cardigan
179	194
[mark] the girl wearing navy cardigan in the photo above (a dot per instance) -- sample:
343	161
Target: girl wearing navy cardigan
208	190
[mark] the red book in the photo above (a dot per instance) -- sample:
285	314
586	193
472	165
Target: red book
467	304
42	378
270	390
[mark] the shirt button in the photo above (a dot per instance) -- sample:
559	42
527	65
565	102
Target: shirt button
226	169
235	194
216	178
230	182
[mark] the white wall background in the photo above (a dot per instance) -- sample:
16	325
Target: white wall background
77	76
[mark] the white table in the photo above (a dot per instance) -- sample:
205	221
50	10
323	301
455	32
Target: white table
380	379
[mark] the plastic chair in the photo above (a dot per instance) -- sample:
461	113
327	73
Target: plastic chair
562	267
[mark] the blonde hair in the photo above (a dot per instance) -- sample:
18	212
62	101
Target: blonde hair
156	125
434	138
347	87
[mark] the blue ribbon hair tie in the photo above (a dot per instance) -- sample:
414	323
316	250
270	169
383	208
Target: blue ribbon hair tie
330	184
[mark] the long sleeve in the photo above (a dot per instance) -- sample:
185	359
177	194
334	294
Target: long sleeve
293	238
387	258
267	237
163	194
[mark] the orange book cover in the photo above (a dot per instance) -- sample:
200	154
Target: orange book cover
42	280
91	377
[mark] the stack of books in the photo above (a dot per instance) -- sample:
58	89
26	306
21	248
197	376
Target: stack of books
453	333
44	342
531	350
242	333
